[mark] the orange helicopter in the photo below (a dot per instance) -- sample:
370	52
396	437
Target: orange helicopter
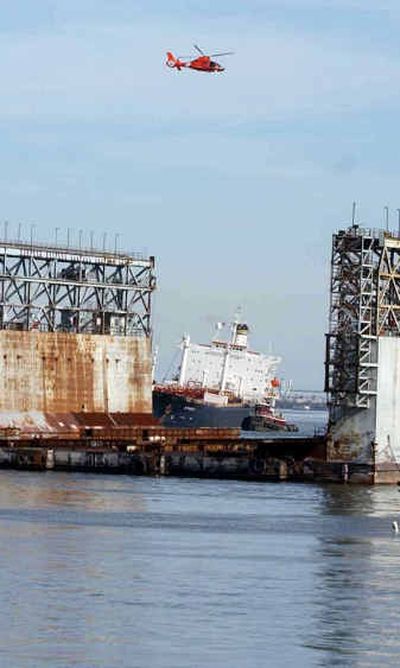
202	63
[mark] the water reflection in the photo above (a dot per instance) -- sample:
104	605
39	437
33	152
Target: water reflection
89	492
348	500
131	572
61	561
357	584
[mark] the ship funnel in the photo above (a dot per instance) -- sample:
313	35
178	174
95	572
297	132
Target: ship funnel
241	335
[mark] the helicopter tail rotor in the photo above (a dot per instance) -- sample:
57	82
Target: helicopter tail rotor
173	62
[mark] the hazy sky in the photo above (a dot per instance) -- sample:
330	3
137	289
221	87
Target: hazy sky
235	181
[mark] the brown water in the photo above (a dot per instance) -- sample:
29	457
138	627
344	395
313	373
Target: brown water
117	571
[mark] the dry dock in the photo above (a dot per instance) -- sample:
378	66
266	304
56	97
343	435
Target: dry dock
363	351
75	377
76	371
153	450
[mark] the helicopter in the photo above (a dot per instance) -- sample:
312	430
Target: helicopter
201	63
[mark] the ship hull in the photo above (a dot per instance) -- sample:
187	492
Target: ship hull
177	411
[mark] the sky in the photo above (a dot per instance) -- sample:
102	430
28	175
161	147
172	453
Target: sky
234	181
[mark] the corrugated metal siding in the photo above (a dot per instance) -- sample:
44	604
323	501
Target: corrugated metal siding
61	373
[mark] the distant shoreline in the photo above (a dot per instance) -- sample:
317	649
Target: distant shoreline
301	405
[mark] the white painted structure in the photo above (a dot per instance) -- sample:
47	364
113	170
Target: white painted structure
388	401
228	367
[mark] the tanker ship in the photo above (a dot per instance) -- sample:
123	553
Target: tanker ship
220	384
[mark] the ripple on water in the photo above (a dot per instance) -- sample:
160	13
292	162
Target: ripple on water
122	571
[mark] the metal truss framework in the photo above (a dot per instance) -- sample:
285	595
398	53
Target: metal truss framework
389	289
51	289
351	345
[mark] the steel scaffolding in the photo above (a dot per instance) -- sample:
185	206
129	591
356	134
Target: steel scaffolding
389	288
351	344
52	289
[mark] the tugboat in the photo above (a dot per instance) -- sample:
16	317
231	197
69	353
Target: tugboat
264	418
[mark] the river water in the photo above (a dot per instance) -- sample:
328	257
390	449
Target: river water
118	571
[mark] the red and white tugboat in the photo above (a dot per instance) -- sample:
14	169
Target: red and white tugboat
265	418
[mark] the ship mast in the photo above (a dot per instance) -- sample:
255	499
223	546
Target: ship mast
224	372
239	334
185	350
225	367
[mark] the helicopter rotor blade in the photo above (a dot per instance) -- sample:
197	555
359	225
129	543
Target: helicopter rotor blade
199	50
216	55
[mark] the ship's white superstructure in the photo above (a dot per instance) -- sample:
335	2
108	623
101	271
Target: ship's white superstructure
229	368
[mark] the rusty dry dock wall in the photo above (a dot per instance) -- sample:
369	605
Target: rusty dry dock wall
199	460
61	372
190	465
